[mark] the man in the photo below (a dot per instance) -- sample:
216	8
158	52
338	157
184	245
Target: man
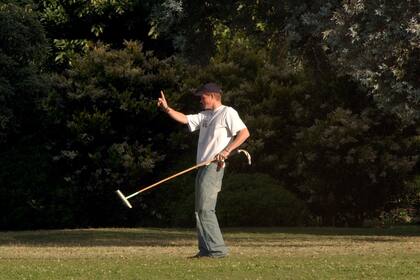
221	131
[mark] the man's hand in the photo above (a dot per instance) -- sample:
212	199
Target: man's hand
178	116
222	156
162	102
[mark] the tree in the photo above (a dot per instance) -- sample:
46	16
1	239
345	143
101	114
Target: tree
71	25
352	166
377	43
24	166
373	42
111	134
327	142
22	49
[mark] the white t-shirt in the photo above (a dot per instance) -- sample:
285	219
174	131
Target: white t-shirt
217	129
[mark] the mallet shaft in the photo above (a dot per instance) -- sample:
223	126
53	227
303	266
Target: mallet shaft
170	177
125	198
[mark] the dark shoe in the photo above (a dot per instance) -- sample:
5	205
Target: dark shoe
199	255
217	256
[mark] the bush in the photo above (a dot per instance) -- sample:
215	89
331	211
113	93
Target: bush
109	133
258	200
245	200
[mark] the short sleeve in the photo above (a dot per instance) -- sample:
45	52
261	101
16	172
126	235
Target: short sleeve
233	122
194	121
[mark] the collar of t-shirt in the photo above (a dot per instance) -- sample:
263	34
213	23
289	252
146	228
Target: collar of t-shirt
211	114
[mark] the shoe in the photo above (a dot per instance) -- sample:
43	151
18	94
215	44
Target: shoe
217	256
199	255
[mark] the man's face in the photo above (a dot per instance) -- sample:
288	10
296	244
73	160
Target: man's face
207	100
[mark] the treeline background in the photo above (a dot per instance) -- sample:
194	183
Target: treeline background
328	89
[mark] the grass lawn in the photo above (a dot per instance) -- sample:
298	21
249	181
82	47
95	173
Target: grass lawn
255	253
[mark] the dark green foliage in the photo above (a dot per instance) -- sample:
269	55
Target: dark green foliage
69	138
352	165
31	195
373	42
246	199
73	25
26	183
410	203
111	133
22	48
258	200
325	140
178	208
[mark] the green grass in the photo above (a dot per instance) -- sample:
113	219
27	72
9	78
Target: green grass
255	253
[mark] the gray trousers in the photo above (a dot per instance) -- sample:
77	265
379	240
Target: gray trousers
208	183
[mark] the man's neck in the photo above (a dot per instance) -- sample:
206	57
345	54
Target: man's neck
216	106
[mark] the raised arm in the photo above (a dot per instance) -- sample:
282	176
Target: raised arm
178	116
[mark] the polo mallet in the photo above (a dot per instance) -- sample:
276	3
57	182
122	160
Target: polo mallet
248	156
125	198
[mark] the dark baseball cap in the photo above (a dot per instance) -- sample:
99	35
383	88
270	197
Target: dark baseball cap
209	87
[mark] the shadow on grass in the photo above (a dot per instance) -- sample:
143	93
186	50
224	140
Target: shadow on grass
246	237
397	231
99	237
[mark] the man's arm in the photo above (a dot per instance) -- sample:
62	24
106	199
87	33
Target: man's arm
242	135
178	116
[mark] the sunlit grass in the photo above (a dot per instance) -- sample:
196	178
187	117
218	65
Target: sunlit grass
258	253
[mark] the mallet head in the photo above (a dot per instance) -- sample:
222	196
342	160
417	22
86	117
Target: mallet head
248	156
120	194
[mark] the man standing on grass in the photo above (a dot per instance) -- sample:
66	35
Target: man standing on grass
221	131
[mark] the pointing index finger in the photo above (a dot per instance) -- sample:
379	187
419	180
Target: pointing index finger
162	95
